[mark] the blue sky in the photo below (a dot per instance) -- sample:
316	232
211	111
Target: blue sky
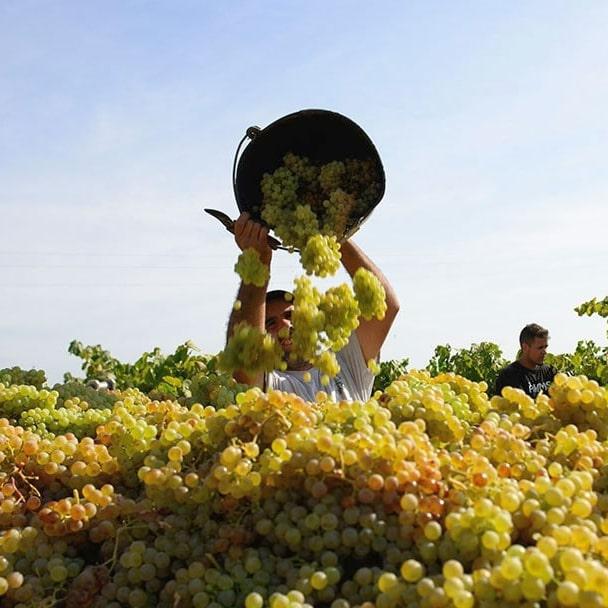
119	121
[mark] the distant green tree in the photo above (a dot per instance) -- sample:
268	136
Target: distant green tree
588	359
167	374
480	362
594	307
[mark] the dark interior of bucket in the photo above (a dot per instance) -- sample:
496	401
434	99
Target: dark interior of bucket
320	135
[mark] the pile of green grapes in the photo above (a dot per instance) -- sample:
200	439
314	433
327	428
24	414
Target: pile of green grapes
428	495
70	407
311	208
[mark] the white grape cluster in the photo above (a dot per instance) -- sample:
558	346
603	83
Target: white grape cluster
340	315
361	177
338	209
370	294
331	175
251	350
251	269
15	399
321	255
279	192
75	416
581	401
322	323
307	319
327	363
16	375
78	392
301	167
302	224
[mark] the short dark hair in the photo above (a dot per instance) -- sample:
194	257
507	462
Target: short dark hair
531	331
278	294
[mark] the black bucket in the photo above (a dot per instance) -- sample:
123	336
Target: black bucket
320	135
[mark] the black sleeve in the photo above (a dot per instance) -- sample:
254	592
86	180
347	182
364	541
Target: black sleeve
504	378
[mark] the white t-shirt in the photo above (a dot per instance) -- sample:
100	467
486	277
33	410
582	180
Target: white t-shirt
353	383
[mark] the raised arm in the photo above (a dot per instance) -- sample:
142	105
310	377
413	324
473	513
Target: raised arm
248	233
371	334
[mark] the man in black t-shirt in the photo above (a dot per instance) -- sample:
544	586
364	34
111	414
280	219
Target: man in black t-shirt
528	372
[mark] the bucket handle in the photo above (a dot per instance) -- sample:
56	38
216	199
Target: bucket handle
251	133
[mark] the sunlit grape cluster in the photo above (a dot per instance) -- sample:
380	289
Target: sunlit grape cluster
78	392
370	294
331	176
340	315
74	416
581	401
446	414
307	319
301	167
15	399
251	269
251	350
49	412
321	255
302	226
322	324
279	192
338	210
16	375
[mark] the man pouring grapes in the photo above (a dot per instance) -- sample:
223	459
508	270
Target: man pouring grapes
278	315
311	177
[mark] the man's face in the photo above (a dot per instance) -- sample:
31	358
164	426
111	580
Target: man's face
536	350
278	322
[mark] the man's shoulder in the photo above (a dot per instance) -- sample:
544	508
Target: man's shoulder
548	370
512	368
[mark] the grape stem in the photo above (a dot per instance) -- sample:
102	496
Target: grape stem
111	562
25	479
212	559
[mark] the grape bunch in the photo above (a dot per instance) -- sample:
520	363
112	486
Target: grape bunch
340	315
251	269
323	322
74	416
321	255
16	375
370	294
15	399
338	210
307	319
581	401
251	350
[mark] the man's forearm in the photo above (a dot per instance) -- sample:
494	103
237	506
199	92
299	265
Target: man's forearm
372	332
252	309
